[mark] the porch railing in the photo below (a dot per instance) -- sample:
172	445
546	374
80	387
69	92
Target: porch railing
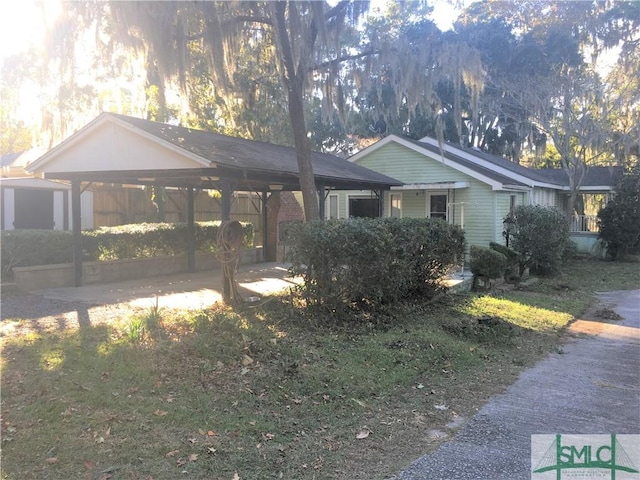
583	223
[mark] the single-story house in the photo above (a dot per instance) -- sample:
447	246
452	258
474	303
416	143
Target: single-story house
466	187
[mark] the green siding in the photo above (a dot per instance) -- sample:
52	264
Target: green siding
409	166
483	208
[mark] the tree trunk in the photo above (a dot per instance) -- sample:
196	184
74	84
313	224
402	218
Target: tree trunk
303	151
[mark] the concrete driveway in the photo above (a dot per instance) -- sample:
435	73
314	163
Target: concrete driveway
592	387
188	290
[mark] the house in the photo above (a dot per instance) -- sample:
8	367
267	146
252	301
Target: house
28	202
466	187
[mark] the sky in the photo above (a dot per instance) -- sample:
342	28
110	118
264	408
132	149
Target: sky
22	22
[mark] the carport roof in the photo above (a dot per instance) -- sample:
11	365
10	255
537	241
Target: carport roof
117	148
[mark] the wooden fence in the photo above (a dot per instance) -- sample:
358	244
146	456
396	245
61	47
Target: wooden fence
116	205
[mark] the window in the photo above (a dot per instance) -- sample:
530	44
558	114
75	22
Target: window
513	201
438	206
396	205
364	207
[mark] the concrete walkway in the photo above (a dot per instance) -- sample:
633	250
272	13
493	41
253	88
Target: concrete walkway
592	388
188	290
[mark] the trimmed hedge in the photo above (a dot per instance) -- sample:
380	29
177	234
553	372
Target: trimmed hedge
25	248
541	237
367	262
486	262
22	248
512	268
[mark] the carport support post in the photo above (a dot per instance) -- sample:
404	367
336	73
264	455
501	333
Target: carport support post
191	236
76	218
265	236
226	215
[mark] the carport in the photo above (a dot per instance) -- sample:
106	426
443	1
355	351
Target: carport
118	149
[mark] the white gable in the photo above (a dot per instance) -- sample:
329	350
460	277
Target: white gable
108	144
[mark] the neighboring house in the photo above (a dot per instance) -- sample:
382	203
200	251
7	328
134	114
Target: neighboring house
466	187
27	202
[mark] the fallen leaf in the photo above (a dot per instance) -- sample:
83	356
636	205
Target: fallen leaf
172	453
363	434
51	460
211	433
270	436
104	476
361	403
441	407
108	432
181	462
201	432
193	440
246	360
236	476
160	413
211	450
193	457
89	465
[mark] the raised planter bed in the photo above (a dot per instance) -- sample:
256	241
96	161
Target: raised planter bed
38	277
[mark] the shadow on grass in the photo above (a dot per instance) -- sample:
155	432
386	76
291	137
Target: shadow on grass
263	392
28	310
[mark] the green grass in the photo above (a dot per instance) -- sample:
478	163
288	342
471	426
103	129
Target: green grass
272	392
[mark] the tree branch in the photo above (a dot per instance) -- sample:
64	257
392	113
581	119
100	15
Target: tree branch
335	61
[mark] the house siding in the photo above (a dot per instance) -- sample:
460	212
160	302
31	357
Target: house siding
482	207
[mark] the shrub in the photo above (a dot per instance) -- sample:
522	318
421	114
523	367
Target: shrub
367	262
486	262
21	248
152	239
540	236
512	265
619	221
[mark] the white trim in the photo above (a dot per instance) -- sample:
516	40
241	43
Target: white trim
58	209
594	188
9	206
379	144
328	206
490	165
33	183
395	194
433	186
425	152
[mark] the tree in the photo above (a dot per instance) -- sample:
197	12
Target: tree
619	221
304	38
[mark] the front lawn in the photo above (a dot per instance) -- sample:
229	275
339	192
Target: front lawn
274	391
